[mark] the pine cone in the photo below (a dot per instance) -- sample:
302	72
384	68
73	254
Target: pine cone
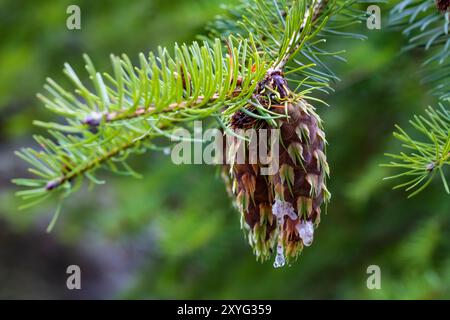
443	5
281	210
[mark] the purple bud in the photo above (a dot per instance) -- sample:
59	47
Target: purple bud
93	119
430	166
52	185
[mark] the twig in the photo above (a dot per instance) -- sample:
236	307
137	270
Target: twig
95	118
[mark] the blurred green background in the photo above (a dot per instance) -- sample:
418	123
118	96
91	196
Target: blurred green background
174	234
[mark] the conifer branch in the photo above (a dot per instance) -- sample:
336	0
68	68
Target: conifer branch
295	41
426	24
310	16
426	157
120	113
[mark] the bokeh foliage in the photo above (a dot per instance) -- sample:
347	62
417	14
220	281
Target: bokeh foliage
181	217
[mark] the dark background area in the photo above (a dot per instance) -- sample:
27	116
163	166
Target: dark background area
174	233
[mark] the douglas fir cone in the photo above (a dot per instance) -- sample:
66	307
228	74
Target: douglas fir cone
281	210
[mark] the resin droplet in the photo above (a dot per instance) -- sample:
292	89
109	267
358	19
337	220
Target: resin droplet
279	258
283	208
306	232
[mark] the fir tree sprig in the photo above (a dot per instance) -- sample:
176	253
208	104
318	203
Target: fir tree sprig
428	155
427	27
296	41
129	108
120	113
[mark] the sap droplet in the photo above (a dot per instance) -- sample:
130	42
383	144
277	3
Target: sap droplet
283	208
306	232
280	261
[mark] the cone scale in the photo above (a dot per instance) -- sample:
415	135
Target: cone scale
280	211
443	5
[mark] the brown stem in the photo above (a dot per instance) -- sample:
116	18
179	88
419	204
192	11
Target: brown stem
96	118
